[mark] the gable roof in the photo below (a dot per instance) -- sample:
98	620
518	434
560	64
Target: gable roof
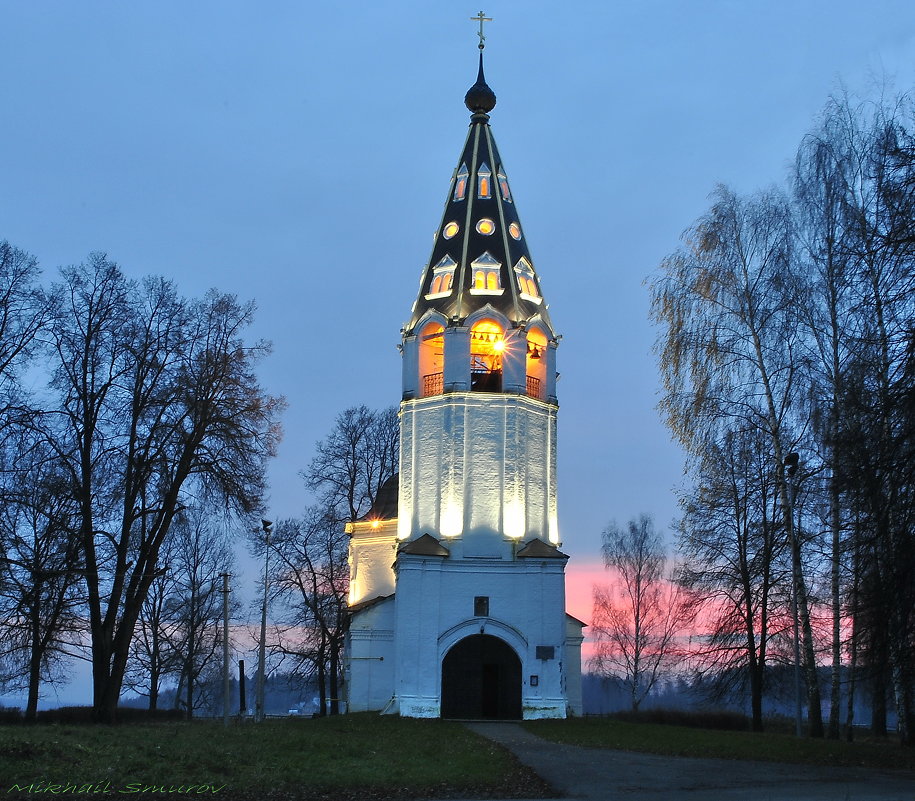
426	545
355	609
538	549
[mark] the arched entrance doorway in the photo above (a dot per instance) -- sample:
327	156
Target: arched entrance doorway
481	678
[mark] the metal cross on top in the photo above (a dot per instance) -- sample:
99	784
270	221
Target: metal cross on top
479	17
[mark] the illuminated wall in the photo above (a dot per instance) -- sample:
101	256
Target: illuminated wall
478	468
372	551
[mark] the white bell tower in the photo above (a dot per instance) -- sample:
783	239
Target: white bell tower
458	602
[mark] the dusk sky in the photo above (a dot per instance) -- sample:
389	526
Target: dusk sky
299	154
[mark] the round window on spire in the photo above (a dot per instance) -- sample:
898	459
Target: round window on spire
515	230
486	227
450	230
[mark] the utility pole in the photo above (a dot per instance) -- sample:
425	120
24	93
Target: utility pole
225	649
262	646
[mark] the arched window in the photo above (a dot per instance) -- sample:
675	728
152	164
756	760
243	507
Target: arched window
527	284
441	283
487	344
431	359
503	186
484	181
442	278
536	363
460	184
486	275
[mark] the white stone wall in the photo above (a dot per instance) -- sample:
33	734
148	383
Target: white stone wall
369	659
434	611
478	473
474	465
574	639
372	551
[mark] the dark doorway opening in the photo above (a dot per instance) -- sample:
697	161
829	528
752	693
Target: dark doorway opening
481	678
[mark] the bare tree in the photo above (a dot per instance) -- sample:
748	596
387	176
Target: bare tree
793	317
878	443
23	315
881	426
156	402
153	657
639	618
310	572
201	553
354	460
825	169
40	621
179	630
735	560
311	575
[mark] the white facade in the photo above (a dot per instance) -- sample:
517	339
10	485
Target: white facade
477	475
397	643
479	471
434	610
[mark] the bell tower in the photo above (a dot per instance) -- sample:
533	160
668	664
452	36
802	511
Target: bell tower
477	613
478	414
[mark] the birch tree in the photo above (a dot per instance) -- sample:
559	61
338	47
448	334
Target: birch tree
727	305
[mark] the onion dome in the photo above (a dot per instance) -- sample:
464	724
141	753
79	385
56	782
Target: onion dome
480	98
480	256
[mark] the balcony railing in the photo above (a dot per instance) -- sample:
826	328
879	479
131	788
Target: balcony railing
480	381
534	387
433	384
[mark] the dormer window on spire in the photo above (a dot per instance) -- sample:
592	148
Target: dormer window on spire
460	185
442	278
503	186
527	284
486	276
484	181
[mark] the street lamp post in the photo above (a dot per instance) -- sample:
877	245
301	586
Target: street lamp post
262	645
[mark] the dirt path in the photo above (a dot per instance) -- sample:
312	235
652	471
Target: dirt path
605	775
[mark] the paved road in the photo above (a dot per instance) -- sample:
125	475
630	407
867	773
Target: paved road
603	775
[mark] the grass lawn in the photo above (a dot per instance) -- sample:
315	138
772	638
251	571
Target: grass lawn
346	757
681	741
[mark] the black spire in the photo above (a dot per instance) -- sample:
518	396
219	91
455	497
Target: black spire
480	255
480	99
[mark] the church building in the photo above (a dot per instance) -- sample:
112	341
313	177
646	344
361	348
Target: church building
457	580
